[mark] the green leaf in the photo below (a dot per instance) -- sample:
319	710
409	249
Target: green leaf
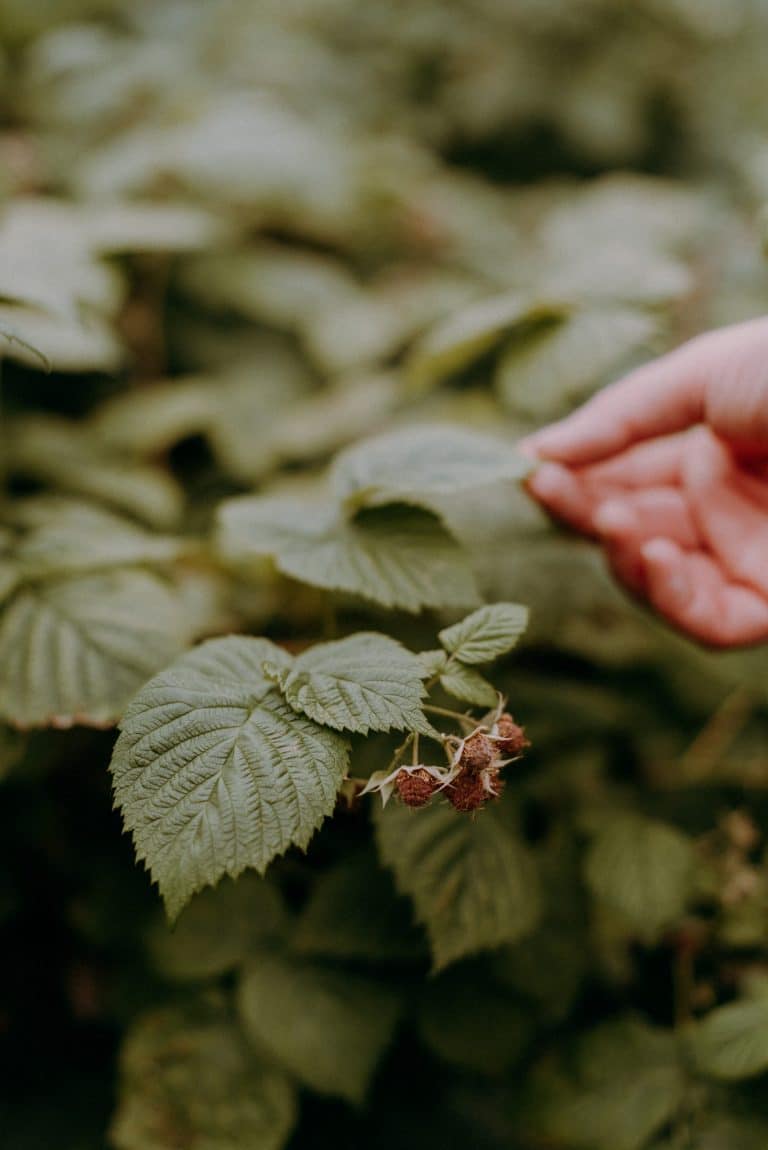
218	929
731	1042
476	329
487	633
467	684
189	1079
70	538
65	455
453	1019
415	464
543	373
630	1084
397	556
215	773
643	869
328	1028
74	650
367	682
353	913
473	883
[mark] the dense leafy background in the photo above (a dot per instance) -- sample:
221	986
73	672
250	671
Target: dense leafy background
236	239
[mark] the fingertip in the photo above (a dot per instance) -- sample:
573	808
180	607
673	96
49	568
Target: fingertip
549	482
615	520
669	582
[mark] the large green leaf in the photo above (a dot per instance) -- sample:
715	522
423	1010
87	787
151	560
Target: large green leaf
329	1028
74	650
397	556
214	772
543	373
732	1042
189	1079
487	633
415	464
467	684
367	682
473	883
643	869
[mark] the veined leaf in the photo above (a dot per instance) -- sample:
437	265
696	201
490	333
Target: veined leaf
731	1042
74	650
417	463
643	869
397	556
367	682
215	773
329	1028
487	633
473	883
189	1079
467	684
543	373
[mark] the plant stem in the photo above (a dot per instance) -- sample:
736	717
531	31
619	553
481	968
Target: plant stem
465	720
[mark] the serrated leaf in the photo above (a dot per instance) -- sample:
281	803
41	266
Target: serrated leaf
416	464
328	1028
487	633
542	374
731	1042
218	929
215	773
189	1079
467	684
74	650
473	883
353	913
367	682
643	869
476	329
397	556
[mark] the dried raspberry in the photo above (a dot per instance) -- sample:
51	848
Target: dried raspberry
467	792
478	752
510	738
415	788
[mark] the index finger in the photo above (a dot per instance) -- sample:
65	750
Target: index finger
661	398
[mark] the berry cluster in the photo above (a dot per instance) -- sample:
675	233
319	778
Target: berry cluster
474	776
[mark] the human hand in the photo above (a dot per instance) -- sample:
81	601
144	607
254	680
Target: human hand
668	469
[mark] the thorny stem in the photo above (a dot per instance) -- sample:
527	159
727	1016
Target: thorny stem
400	752
415	751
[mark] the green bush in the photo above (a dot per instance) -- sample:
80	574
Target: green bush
281	286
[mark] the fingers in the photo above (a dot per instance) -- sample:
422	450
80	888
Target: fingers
694	594
657	462
730	510
565	495
663	397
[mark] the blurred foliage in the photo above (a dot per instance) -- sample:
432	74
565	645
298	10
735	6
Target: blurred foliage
237	238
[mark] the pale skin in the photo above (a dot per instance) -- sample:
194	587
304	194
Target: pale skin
668	470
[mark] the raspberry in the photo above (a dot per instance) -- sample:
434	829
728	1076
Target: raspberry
467	792
478	752
510	738
415	788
